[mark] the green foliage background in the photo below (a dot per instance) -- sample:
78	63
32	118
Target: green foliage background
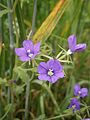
44	102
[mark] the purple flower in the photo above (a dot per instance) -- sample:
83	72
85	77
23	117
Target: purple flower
73	47
82	92
28	51
50	71
75	104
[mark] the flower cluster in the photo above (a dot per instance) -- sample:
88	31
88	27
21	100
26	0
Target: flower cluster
81	92
52	70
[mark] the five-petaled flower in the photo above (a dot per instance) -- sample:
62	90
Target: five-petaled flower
74	104
28	51
82	92
50	71
73	47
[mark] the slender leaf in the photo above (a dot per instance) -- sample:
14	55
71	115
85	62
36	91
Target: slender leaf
5	11
51	21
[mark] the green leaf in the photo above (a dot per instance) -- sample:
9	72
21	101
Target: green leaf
21	73
3	82
1	5
51	21
19	89
8	106
5	11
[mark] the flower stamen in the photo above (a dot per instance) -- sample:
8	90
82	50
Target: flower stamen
79	92
50	72
74	106
29	53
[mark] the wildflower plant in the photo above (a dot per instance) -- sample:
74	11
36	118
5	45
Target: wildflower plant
39	79
79	93
52	70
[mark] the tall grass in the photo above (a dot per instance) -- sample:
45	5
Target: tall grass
22	95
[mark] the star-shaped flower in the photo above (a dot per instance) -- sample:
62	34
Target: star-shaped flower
74	104
73	47
82	92
28	51
50	71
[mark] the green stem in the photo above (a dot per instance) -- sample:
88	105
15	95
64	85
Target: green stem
42	104
67	53
27	96
34	17
62	57
52	97
28	82
3	117
20	20
2	49
80	18
10	23
59	116
33	20
78	117
9	101
27	99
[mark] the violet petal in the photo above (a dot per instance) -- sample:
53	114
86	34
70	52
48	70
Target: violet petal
80	47
55	65
24	58
72	42
42	68
76	89
76	103
37	47
20	51
53	79
84	92
28	45
59	74
43	77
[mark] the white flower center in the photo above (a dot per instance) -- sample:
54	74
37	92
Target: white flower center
74	106
50	72
69	52
79	92
29	53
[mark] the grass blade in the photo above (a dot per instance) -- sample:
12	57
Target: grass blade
49	24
